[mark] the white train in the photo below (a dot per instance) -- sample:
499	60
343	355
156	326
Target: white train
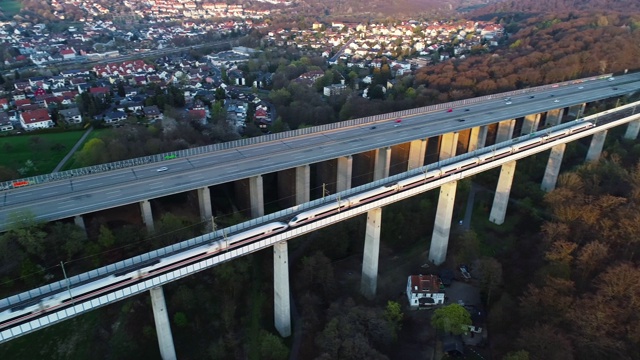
20	312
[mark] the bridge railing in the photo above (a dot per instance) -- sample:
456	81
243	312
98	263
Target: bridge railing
69	174
283	215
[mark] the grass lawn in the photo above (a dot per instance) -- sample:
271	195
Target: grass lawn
44	150
10	7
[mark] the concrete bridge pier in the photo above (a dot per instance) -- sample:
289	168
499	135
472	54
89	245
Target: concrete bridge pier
531	123
442	225
256	194
577	110
383	161
345	172
632	130
163	326
554	117
501	198
281	300
303	184
553	168
369	280
505	130
79	221
597	143
448	145
417	152
204	202
147	215
477	138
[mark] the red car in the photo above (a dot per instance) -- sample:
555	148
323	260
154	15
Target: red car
398	120
450	110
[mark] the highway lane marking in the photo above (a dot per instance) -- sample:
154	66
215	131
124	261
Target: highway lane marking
112	192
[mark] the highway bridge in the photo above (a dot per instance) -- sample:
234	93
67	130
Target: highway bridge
124	279
466	126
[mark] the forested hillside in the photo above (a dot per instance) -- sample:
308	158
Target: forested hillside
582	300
554	6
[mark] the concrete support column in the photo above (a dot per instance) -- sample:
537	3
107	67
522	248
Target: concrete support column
79	221
531	123
448	145
256	193
345	170
501	198
442	225
281	304
303	184
505	130
369	281
477	138
632	130
147	215
577	110
163	326
553	168
554	117
597	143
204	201
383	161
417	150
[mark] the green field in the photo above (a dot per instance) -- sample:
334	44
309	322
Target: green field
44	150
10	7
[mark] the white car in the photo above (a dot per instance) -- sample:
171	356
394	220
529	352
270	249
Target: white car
611	78
580	87
508	103
556	100
164	168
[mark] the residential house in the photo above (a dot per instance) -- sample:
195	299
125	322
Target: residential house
71	116
424	290
334	89
68	54
152	113
114	116
36	119
5	123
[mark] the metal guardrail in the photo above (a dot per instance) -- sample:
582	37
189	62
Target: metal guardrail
39	179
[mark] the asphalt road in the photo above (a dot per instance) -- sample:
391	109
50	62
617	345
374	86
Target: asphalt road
67	198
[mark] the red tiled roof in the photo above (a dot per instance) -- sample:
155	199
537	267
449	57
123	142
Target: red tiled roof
23	102
425	284
99	90
35	116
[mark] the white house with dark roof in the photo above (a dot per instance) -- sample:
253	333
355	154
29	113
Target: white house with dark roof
71	116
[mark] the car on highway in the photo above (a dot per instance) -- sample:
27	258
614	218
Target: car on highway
373	127
556	100
466	109
611	79
508	103
398	123
450	110
580	87
164	168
